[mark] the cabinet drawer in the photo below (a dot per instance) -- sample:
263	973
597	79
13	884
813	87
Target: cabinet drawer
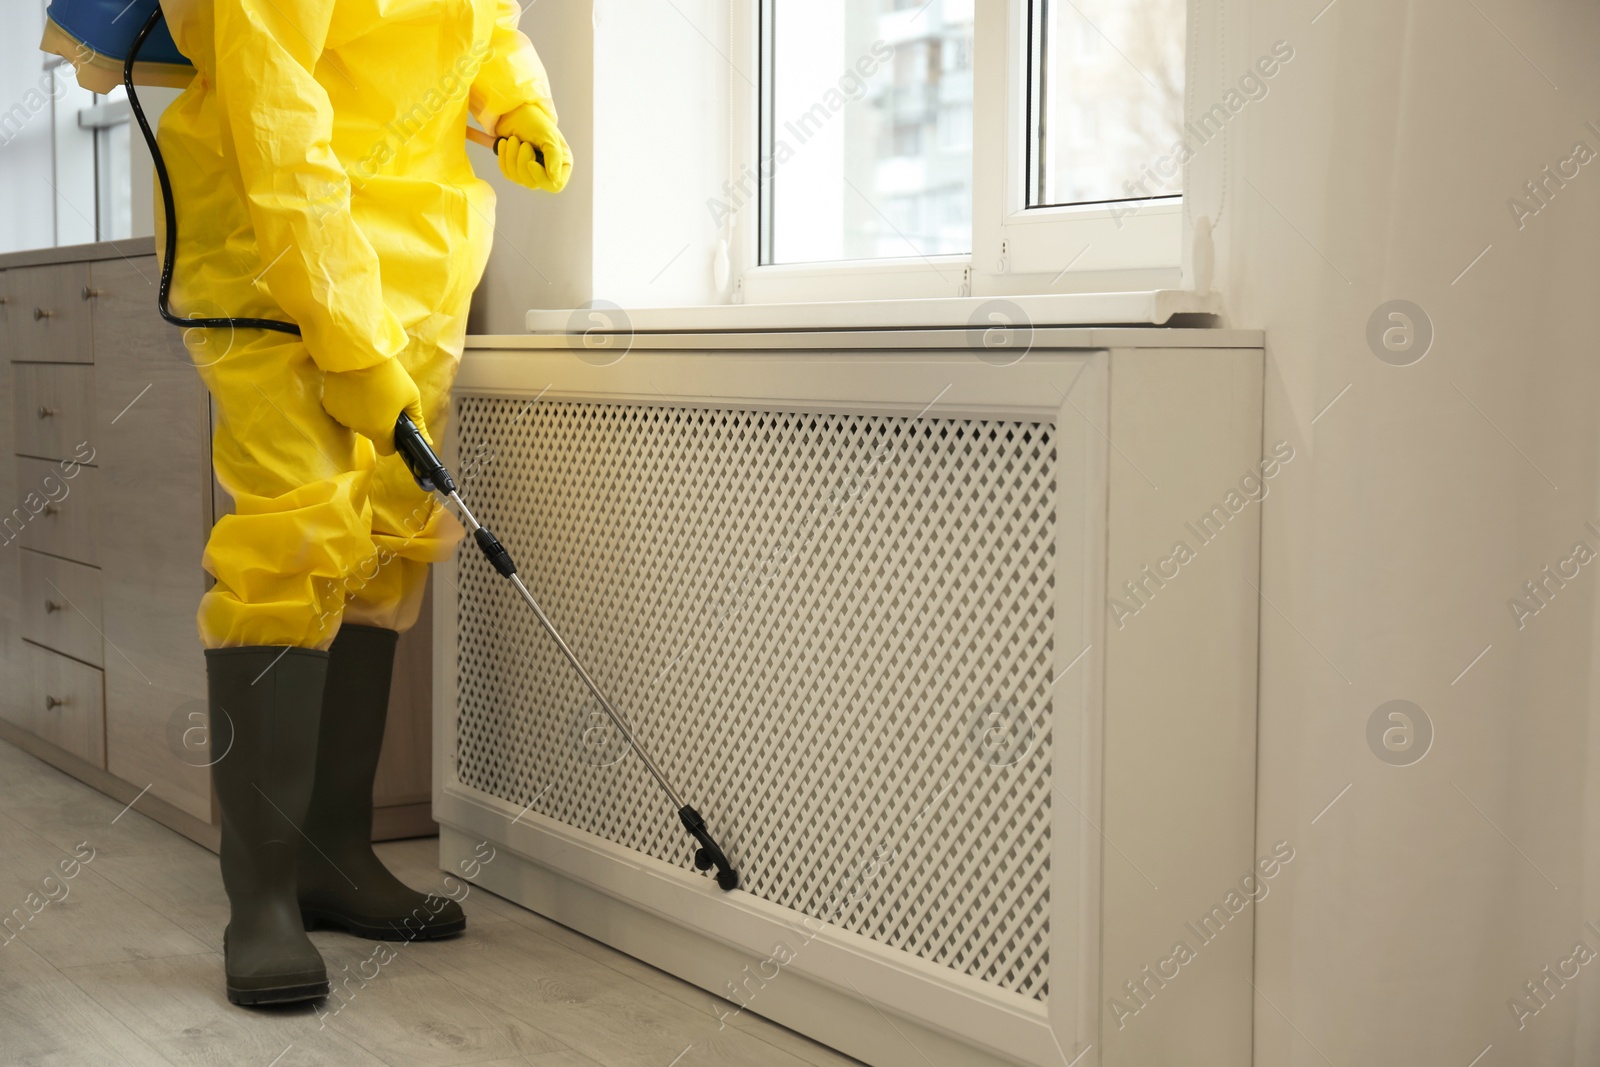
63	703
49	313
53	410
65	496
61	606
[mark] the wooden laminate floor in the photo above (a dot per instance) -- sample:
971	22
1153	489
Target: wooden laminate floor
124	966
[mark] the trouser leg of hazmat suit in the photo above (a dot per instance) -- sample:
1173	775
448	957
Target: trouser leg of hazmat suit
320	175
323	529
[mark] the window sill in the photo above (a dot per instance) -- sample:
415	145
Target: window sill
1155	307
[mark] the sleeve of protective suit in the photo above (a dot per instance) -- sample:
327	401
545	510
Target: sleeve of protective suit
511	75
317	263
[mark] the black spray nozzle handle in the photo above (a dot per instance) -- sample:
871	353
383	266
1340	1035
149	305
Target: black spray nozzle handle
423	462
433	477
708	855
538	153
493	143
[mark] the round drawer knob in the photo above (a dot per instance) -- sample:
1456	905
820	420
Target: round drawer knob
52	703
51	607
90	294
45	413
41	313
51	509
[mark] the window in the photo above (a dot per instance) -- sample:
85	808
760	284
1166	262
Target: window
71	173
111	119
928	147
867	122
1106	100
90	165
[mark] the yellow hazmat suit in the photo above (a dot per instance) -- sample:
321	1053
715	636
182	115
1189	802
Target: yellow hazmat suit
320	169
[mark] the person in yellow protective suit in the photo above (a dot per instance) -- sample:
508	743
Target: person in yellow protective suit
321	176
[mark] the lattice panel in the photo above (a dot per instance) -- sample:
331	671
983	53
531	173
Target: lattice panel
833	631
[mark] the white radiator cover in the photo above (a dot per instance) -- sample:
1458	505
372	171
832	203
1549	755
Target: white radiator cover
748	583
853	602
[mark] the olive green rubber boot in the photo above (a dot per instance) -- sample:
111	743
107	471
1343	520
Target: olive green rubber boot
265	703
343	884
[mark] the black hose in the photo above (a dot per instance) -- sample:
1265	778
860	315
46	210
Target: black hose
168	206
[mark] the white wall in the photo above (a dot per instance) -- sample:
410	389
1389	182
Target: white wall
642	92
1390	147
543	245
662	82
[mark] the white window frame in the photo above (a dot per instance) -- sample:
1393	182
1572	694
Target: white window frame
1071	248
1016	249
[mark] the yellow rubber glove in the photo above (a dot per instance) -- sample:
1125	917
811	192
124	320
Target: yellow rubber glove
369	401
528	127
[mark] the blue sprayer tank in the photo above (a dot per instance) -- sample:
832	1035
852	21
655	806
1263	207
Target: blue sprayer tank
95	36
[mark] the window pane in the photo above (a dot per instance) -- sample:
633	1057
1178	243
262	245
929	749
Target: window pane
1107	100
868	134
113	180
